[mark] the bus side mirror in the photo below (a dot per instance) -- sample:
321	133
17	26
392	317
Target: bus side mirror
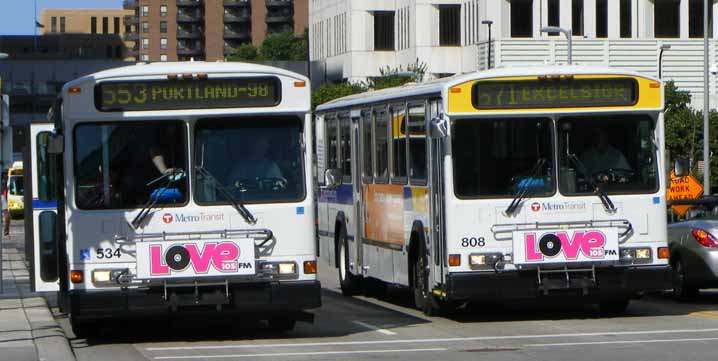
438	128
55	144
333	177
681	167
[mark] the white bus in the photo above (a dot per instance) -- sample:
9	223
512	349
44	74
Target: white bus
179	187
493	186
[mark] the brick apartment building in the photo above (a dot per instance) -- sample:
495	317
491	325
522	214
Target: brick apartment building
171	30
105	22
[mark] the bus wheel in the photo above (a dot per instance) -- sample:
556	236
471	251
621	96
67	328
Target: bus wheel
281	323
83	329
422	298
349	283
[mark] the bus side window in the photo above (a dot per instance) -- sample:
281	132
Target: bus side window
367	131
46	170
381	142
346	147
331	143
398	150
416	130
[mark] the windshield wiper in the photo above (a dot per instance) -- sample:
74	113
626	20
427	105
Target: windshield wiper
153	199
597	189
526	187
239	207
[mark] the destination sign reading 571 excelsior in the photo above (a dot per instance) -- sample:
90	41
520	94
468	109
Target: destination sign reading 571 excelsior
550	93
178	94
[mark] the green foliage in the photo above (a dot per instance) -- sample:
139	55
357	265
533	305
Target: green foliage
391	77
284	46
245	52
327	92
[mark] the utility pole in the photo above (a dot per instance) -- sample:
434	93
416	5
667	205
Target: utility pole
706	106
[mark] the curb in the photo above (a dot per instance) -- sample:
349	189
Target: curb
50	340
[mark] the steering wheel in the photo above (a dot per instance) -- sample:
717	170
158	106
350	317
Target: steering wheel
613	175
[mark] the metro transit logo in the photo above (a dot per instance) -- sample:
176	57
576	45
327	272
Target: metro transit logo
167	218
535	206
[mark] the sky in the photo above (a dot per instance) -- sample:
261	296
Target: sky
16	17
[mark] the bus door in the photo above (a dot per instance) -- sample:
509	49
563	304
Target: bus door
41	210
357	190
436	188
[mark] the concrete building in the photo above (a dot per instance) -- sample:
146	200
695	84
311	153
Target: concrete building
171	30
352	39
88	21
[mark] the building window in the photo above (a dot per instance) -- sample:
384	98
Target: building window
145	27
145	10
163	10
601	18
626	27
163	27
521	18
93	25
163	43
53	24
577	17
666	19
62	24
383	30
145	43
163	57
449	25
116	25
554	14
105	25
145	57
695	19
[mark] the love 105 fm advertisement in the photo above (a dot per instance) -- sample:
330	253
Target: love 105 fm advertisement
569	246
177	259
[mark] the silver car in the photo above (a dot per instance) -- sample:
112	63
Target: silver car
694	248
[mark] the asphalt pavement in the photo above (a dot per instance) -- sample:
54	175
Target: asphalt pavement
386	327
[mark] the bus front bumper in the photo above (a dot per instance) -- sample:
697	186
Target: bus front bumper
257	298
507	285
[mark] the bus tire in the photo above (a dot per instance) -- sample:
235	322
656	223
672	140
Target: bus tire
420	285
349	283
282	323
83	329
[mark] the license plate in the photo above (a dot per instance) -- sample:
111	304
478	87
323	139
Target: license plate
201	258
565	246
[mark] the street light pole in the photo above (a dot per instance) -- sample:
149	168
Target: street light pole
567	32
660	59
706	107
488	22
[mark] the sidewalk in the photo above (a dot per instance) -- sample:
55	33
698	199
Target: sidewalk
28	330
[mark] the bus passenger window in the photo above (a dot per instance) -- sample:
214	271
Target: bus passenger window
398	136
416	129
382	145
366	144
346	148
331	143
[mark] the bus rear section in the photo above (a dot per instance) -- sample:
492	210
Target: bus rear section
16	189
555	187
188	191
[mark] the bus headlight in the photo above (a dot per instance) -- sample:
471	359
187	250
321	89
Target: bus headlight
636	255
484	260
287	268
279	269
109	277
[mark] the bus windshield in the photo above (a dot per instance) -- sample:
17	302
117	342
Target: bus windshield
259	159
616	153
116	164
500	157
16	185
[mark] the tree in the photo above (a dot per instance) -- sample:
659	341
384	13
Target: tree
327	92
284	46
391	77
245	52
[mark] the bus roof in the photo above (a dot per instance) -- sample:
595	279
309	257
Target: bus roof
181	67
441	85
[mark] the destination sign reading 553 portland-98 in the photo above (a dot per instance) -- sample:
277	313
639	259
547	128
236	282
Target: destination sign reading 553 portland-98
115	96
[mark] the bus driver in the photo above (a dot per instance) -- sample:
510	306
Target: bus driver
254	167
601	158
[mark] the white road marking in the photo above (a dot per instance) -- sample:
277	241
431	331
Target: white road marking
454	339
620	342
374	328
296	354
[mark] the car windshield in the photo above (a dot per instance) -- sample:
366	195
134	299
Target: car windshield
116	164
616	153
16	185
257	159
500	157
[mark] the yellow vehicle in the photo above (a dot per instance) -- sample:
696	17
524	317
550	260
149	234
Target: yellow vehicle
15	189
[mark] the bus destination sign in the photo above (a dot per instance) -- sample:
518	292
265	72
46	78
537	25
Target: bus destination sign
553	93
117	96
